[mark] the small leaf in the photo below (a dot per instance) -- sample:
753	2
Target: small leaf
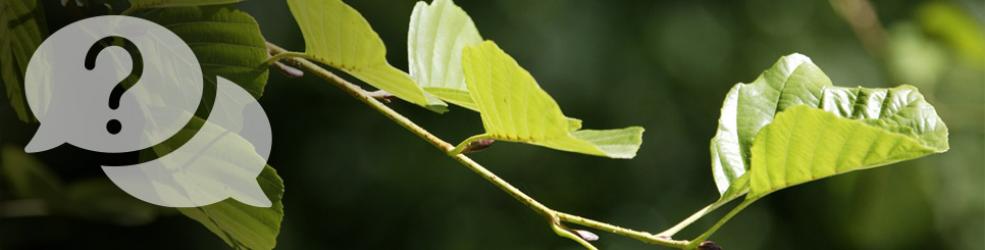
435	39
514	108
437	35
337	35
794	80
805	144
22	28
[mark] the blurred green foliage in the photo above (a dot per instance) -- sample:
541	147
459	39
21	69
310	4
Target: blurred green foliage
357	181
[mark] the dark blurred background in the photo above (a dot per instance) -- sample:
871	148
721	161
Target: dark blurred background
355	180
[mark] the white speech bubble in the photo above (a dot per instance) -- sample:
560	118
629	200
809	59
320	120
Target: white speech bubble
221	160
71	99
72	102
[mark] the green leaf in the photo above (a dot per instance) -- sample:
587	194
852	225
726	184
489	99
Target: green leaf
514	108
226	41
136	5
337	35
244	226
749	107
437	35
805	144
794	80
22	28
239	225
435	39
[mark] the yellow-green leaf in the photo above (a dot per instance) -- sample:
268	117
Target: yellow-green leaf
337	35
804	144
514	108
795	80
436	37
438	32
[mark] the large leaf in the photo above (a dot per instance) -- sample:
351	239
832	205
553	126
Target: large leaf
244	226
514	108
22	28
804	144
337	35
227	42
438	32
794	80
239	225
749	107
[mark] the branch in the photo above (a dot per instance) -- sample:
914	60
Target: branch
553	217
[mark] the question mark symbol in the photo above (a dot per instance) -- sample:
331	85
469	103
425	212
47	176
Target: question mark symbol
137	69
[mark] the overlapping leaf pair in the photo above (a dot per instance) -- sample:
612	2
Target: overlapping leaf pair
450	62
792	126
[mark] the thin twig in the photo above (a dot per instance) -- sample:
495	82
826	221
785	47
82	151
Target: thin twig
555	218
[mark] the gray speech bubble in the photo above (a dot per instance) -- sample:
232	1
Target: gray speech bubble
117	84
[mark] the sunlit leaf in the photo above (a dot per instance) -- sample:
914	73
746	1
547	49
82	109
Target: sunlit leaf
337	35
749	107
22	28
437	35
794	80
513	107
438	32
805	144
